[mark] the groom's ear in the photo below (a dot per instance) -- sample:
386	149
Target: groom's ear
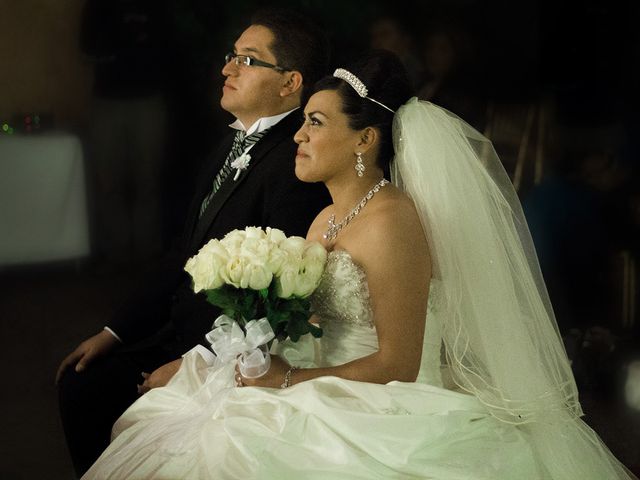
292	83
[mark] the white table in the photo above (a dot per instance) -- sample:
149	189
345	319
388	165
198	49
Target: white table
43	207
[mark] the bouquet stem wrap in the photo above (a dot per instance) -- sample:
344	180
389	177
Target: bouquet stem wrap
229	341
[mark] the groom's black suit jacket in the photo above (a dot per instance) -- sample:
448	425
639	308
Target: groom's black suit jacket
266	194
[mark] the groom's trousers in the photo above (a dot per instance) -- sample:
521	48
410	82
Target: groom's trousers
92	400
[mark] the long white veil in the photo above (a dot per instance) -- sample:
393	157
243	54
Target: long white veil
499	332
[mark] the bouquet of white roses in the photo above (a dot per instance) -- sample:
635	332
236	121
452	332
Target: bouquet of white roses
261	280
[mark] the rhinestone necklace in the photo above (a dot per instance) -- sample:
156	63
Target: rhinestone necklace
334	228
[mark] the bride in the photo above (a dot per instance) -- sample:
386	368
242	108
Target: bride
480	389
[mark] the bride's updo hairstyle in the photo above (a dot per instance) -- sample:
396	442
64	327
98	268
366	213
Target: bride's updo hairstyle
386	81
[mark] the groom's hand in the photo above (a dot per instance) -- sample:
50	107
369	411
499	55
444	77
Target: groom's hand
87	352
159	377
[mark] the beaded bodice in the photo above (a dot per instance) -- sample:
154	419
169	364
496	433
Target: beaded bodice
343	294
343	306
341	302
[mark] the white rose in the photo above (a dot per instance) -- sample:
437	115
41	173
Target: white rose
309	275
255	232
206	269
214	247
263	250
257	276
233	240
255	248
275	235
286	280
301	268
242	272
294	246
272	256
314	251
313	262
191	267
233	271
276	259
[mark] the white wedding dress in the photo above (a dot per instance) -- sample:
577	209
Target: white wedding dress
201	426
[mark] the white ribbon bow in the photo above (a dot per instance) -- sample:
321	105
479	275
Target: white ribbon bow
240	163
228	341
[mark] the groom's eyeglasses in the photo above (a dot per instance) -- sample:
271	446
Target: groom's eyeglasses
250	61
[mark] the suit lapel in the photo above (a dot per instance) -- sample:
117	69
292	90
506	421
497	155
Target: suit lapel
207	173
283	129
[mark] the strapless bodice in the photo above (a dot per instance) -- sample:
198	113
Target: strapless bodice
343	306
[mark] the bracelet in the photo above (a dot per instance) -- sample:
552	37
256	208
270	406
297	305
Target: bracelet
287	377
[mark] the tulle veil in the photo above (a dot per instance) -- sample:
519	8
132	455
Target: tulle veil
500	337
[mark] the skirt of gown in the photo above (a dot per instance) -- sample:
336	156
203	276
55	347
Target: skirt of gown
201	426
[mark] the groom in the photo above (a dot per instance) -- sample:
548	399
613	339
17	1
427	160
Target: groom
272	60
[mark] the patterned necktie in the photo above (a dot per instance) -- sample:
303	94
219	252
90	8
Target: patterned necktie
240	145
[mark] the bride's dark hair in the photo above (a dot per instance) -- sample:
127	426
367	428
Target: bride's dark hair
386	81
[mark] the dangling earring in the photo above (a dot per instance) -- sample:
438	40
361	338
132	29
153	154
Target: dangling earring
360	168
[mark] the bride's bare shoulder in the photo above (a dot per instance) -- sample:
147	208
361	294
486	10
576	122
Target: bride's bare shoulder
393	225
395	211
394	242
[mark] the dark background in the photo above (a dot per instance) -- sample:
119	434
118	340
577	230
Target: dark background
573	65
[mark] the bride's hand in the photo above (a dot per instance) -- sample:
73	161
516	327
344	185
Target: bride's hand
159	377
273	378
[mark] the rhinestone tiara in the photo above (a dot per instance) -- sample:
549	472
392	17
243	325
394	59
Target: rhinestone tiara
352	80
357	85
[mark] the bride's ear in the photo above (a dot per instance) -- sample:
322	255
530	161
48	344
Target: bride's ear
368	138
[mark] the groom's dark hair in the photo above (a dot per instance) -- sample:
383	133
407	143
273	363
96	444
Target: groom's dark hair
299	43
